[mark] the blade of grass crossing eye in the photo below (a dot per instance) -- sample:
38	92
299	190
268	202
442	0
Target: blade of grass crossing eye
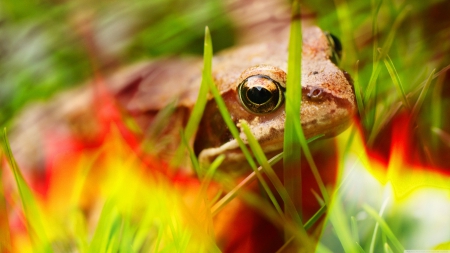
396	80
221	104
386	230
5	237
262	160
33	213
292	146
200	104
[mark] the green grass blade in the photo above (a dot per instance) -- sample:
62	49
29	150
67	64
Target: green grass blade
315	217
419	87
442	135
312	166
262	160
257	153
5	235
387	249
233	192
202	195
339	219
386	230
358	92
322	248
104	230
292	146
220	103
193	157
396	80
437	107
359	248
354	226
209	175
375	5
31	209
421	98
161	120
386	47
250	178
375	55
202	98
128	232
80	230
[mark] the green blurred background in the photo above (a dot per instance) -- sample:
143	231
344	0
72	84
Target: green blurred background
47	46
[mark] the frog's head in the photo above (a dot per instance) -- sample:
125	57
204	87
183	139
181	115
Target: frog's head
253	88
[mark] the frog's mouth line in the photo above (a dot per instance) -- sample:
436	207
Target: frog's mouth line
233	152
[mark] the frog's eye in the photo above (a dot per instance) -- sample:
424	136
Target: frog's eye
336	47
260	94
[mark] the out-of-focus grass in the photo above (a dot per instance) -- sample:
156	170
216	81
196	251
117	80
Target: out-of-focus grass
46	47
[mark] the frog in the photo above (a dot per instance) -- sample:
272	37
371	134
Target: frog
252	82
244	75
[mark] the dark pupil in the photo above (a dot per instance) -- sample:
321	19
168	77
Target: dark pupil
258	95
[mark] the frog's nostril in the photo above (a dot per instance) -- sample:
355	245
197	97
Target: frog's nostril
315	93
